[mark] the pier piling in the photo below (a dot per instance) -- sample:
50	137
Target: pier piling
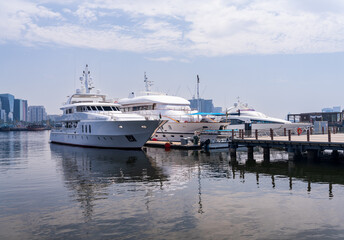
232	152
250	153
266	153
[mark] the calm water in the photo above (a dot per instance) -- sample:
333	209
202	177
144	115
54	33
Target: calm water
50	191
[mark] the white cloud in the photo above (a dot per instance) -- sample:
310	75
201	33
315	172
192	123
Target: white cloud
188	28
161	59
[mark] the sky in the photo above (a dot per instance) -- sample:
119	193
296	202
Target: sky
279	56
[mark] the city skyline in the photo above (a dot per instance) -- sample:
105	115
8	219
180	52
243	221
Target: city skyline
278	56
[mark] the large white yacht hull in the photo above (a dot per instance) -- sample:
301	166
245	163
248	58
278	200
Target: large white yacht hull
175	131
107	134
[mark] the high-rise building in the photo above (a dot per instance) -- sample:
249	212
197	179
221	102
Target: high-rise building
206	105
2	114
36	114
7	104
20	110
3	117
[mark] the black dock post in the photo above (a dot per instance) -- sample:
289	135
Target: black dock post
250	153
232	152
266	153
272	134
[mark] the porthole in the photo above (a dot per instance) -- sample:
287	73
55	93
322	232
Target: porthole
143	126
181	136
164	135
172	135
120	126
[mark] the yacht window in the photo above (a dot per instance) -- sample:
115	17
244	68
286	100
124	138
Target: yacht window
89	108
107	108
99	108
86	128
82	128
237	121
94	108
89	128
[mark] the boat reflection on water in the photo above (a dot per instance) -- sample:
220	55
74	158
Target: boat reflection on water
89	172
218	164
95	176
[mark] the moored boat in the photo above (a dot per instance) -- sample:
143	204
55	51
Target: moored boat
90	119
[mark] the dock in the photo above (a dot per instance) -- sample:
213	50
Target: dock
295	145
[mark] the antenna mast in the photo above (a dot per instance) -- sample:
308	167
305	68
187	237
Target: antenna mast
148	84
198	99
86	79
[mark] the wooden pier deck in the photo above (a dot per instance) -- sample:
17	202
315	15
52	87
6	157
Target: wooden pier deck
294	144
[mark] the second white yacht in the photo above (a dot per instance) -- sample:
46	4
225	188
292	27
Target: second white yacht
176	110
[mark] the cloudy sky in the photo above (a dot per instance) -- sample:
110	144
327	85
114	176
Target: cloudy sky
279	56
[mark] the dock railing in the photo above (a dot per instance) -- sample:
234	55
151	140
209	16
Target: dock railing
285	134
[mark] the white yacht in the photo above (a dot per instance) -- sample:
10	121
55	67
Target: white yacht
241	116
176	110
90	119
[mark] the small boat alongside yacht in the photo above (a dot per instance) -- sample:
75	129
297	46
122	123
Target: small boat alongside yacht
90	119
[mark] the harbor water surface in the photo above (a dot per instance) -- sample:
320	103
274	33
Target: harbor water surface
50	191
